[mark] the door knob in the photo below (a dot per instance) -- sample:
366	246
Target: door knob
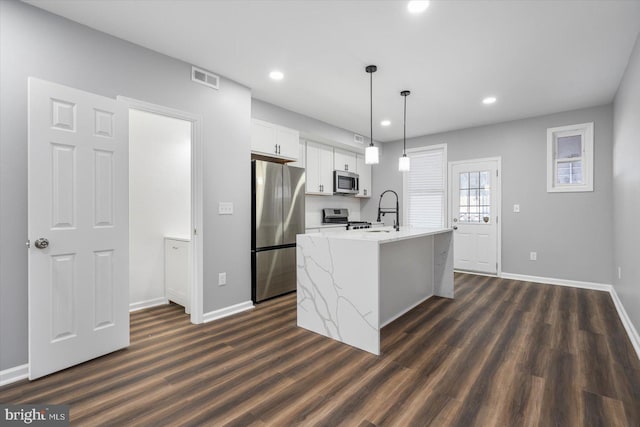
42	243
455	227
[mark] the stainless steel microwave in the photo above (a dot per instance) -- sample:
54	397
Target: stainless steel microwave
345	182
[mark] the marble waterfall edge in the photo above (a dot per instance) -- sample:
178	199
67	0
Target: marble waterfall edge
331	300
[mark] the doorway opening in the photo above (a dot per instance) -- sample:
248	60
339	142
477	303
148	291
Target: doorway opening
165	205
159	210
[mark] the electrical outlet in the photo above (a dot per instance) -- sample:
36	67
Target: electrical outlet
222	279
619	273
533	256
516	208
225	208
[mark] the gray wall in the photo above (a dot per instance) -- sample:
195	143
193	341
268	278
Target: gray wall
309	127
572	232
626	188
36	43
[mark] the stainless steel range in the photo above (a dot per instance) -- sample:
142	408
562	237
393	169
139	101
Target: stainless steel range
341	216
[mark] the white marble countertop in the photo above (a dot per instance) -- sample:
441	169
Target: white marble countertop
382	234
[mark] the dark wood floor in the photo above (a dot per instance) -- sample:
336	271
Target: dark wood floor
503	353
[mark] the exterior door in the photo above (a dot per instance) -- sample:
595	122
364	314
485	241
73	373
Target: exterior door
475	196
78	227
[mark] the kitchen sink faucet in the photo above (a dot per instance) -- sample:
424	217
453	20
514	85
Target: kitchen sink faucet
382	211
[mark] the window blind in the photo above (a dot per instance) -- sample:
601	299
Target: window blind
425	188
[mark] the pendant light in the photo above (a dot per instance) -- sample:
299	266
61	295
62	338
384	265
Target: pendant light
371	152
404	163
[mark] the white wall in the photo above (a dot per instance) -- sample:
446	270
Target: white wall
626	188
159	197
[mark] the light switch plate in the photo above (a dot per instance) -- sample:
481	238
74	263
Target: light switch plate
516	208
225	208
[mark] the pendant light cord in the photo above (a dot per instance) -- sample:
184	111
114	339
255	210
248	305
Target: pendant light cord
371	109
404	137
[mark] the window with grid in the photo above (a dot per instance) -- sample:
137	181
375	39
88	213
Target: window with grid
425	187
475	197
570	158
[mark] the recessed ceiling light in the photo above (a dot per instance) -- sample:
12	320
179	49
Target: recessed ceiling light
276	75
385	122
416	6
489	100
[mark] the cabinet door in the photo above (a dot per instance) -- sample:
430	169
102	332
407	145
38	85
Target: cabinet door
263	137
319	166
344	160
177	272
364	171
274	140
326	169
288	141
313	168
302	154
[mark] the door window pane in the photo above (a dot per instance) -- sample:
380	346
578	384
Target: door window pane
474	179
464	181
484	179
475	197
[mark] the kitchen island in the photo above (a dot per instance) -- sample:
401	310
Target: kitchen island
350	284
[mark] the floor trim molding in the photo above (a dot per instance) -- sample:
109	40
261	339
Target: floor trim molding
140	305
632	333
560	282
14	374
227	311
626	322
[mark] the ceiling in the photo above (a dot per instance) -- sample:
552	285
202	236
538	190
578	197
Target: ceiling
537	57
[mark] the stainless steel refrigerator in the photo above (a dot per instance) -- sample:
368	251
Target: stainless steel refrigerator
277	216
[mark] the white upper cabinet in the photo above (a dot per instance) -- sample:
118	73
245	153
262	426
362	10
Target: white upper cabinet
319	166
274	140
364	171
301	155
344	160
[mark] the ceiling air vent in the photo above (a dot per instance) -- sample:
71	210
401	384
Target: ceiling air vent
358	139
204	77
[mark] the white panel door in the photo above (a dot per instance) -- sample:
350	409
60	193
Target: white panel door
475	195
78	227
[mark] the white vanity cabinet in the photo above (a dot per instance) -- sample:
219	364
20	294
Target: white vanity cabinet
364	171
344	160
319	167
177	271
273	140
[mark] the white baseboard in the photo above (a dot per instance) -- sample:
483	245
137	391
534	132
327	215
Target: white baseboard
632	333
559	282
135	306
626	322
227	311
14	374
